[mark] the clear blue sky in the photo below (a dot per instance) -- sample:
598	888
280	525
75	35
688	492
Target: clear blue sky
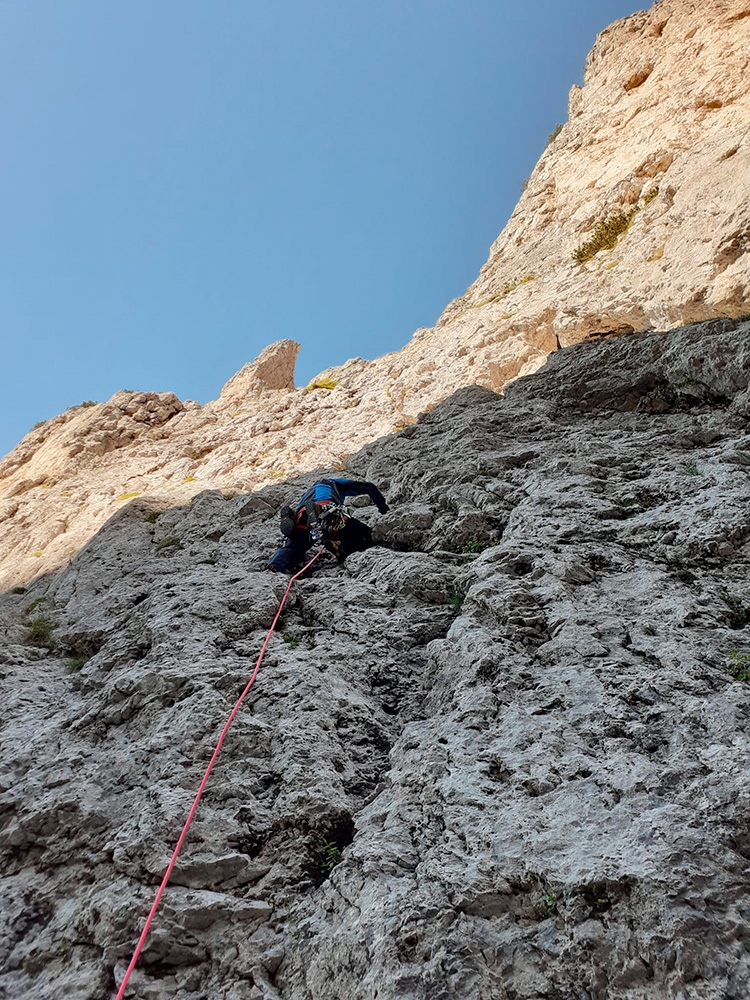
185	181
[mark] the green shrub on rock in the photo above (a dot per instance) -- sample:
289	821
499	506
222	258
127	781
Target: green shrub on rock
605	235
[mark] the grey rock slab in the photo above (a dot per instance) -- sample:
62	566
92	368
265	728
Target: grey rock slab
501	754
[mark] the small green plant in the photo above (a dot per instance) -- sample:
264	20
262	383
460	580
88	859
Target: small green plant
683	380
554	134
189	479
595	894
549	901
456	601
18	590
650	195
37	554
75	663
153	516
605	235
322	383
89	402
34	604
508	287
690	467
291	639
735	604
739	667
329	855
40	633
38	424
168	542
649	630
497	771
479	545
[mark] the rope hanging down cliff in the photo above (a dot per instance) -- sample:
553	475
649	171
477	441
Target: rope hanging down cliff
199	793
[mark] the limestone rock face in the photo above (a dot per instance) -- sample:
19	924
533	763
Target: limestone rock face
66	478
272	369
657	144
656	148
502	755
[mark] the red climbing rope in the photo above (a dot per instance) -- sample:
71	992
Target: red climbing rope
196	800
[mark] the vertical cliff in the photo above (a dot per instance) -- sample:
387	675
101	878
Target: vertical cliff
504	754
635	218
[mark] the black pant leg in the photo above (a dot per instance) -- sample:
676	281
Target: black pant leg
290	556
355	536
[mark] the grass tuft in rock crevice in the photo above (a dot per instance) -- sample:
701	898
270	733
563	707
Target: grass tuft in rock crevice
606	233
40	633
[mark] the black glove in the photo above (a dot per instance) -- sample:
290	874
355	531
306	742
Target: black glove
383	508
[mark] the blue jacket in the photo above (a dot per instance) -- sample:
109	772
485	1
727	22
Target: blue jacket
339	490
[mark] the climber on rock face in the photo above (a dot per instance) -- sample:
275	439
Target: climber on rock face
320	519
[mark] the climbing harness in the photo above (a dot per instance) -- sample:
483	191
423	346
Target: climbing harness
333	517
199	793
330	519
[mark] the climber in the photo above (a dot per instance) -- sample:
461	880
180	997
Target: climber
320	519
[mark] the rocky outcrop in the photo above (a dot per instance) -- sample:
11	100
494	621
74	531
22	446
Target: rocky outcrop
636	217
272	369
67	477
503	754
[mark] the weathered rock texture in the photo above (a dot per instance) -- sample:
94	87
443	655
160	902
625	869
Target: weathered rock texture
660	133
516	718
